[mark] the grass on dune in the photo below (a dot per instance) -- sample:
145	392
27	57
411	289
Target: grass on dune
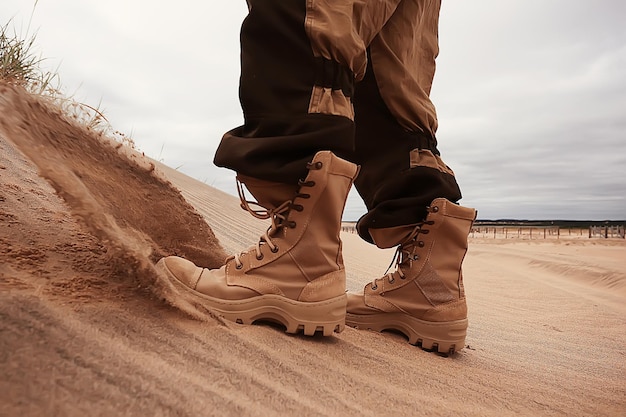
21	66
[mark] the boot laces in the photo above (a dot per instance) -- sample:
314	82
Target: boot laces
278	215
405	255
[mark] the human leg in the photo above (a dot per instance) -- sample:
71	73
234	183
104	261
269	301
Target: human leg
409	191
294	274
293	114
297	109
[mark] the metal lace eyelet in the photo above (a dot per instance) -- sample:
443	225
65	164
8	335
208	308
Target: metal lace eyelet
420	243
435	209
239	266
416	257
392	280
318	165
274	249
374	287
260	257
292	225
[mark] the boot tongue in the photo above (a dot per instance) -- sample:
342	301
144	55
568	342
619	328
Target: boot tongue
269	195
392	236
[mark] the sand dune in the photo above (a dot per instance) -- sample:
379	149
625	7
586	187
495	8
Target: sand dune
85	330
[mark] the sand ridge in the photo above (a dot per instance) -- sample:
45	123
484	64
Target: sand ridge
82	333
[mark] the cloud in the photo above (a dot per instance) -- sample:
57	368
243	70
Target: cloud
531	107
530	94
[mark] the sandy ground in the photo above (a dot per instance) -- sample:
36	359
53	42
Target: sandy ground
86	327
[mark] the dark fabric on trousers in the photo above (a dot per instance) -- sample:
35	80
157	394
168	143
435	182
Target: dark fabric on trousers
278	71
395	194
279	135
278	150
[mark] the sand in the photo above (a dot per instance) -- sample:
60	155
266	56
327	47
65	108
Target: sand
86	328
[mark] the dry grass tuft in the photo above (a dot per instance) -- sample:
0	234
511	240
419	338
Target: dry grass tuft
19	65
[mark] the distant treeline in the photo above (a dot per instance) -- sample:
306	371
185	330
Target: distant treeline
566	224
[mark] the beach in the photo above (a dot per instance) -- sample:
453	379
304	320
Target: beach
87	327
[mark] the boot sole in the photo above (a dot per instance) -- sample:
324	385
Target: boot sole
442	337
326	317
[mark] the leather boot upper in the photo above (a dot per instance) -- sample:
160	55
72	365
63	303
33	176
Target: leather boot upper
299	256
428	281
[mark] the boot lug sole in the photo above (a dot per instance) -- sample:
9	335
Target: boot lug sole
326	317
442	337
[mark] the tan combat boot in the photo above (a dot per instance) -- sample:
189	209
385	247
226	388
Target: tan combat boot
295	274
424	297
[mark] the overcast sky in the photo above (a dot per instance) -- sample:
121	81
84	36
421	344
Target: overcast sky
531	94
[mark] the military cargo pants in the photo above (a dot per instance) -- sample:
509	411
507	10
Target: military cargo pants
352	77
